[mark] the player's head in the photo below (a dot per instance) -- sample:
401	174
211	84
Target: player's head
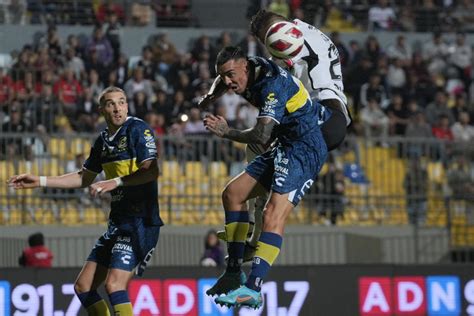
113	106
232	66
261	22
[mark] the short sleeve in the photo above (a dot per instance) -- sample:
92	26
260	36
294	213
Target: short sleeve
272	104
143	142
93	163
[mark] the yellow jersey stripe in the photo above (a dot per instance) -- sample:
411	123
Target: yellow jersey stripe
298	100
119	168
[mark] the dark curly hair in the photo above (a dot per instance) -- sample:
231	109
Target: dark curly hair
263	19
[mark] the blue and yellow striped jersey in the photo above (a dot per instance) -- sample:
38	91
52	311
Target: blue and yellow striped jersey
120	155
283	98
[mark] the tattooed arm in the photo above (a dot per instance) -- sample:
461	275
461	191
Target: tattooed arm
259	134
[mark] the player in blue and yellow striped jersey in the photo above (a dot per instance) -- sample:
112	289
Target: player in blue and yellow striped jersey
288	116
126	152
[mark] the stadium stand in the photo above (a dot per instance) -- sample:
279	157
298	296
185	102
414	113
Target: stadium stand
35	90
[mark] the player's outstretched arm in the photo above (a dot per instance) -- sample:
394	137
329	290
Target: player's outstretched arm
147	172
217	89
72	180
259	134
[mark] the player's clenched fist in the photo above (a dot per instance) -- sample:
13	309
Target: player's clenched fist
216	125
24	181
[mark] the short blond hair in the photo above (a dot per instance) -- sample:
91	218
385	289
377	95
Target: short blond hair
108	90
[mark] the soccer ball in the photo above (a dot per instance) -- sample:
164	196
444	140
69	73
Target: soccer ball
284	40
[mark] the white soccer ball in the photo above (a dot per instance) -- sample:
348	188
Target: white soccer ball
284	40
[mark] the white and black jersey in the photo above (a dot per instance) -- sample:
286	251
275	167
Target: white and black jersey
319	68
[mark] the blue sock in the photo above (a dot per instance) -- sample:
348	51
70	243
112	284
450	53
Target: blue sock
268	248
89	298
119	297
236	228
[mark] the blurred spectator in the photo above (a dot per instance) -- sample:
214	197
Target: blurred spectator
435	53
280	7
194	124
437	108
462	131
75	63
94	83
332	194
417	128
139	83
224	40
6	88
461	183
213	254
73	42
87	111
463	14
396	76
355	53
163	105
230	101
100	45
45	108
460	56
374	121
442	129
68	91
251	46
356	77
120	72
381	17
140	107
140	12
37	255
202	46
108	6
113	34
246	115
400	50
416	188
27	90
52	41
373	90
14	12
460	105
372	48
164	52
427	17
341	48
146	62
398	115
406	19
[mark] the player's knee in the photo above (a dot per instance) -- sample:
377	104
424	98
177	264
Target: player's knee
114	285
229	195
80	287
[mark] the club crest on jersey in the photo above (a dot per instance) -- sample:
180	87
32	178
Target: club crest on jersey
270	101
122	144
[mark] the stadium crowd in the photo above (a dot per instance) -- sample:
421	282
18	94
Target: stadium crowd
51	85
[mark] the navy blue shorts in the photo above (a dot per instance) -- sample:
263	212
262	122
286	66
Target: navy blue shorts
126	246
290	168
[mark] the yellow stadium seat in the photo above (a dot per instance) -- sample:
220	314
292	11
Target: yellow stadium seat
7	169
57	147
436	172
194	170
170	170
218	169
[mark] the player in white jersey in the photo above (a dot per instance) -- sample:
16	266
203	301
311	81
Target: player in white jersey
318	67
